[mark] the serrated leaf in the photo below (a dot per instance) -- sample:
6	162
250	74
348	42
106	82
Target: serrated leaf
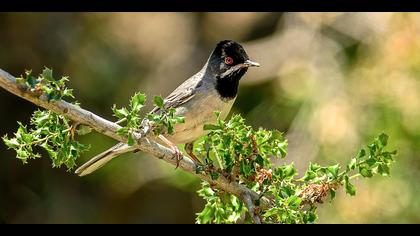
137	102
47	74
383	139
42	118
11	143
158	101
120	113
68	93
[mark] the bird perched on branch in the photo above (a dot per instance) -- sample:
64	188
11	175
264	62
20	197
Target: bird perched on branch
213	88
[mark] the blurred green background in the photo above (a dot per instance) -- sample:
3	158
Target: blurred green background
330	81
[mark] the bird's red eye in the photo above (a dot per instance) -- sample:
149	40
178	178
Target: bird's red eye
228	60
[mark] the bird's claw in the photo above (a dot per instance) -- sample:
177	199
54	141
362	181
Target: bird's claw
178	155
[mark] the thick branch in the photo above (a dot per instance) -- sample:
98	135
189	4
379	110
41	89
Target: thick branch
247	199
109	128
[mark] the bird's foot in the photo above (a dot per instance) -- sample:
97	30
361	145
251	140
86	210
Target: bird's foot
178	155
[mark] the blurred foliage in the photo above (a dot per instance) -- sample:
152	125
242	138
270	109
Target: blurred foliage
330	81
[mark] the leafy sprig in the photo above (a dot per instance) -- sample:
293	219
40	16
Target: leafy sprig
130	116
49	131
46	84
245	155
162	121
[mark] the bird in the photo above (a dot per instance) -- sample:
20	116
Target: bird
213	88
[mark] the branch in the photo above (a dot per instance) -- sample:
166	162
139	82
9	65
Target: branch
247	199
109	129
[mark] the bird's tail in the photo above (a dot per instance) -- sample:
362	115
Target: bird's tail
101	159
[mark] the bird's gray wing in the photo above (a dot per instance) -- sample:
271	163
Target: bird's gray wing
184	93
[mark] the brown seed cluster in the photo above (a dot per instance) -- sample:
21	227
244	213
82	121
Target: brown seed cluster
315	193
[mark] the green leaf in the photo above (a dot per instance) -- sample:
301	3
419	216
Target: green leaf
352	164
83	129
179	119
289	171
120	113
383	138
47	74
333	170
31	81
10	143
332	194
158	101
137	101
361	154
20	80
309	175
214	175
130	140
350	188
383	169
294	201
245	169
365	172
211	127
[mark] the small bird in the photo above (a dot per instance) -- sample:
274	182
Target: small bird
213	88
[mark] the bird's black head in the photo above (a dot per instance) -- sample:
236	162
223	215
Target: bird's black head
228	63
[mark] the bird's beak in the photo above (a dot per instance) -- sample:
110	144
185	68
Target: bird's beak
249	63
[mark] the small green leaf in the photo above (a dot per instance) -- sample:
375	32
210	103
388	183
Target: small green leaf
11	143
158	101
383	169
332	194
365	172
361	154
383	138
20	80
120	113
137	101
309	175
130	140
214	175
211	127
31	81
47	74
352	164
179	119
83	129
333	170
350	188
245	169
